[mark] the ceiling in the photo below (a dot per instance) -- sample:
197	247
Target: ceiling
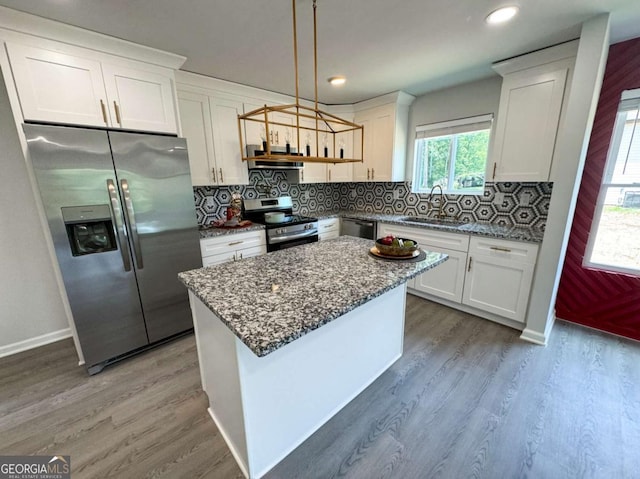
379	45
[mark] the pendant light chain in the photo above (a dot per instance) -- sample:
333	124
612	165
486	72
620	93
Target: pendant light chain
332	124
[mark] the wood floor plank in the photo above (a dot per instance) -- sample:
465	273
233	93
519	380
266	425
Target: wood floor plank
468	398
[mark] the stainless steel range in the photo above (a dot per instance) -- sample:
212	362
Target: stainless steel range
292	230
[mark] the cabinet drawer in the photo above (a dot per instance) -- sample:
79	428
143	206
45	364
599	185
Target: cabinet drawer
502	249
329	225
250	252
233	255
218	258
426	237
222	244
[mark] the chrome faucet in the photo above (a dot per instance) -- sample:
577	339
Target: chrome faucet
441	213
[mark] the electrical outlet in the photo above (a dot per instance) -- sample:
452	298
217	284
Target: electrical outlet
525	199
210	203
396	194
498	198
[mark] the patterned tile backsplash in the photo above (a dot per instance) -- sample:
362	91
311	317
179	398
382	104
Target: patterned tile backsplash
525	204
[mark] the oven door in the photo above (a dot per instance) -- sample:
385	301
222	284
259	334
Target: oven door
290	240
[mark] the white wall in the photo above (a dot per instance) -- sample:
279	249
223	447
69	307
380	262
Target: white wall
31	308
470	99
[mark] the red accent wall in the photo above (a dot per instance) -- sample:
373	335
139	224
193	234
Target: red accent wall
602	300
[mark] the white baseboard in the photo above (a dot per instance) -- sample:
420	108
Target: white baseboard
31	343
537	337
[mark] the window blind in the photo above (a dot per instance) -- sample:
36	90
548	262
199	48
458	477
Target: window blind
452	127
630	100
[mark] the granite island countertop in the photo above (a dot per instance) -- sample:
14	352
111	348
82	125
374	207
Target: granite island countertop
314	284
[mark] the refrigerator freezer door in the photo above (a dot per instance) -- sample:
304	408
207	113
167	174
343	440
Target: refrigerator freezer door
73	168
155	184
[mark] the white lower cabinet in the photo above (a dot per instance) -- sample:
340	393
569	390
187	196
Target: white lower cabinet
482	275
499	275
232	247
447	280
328	228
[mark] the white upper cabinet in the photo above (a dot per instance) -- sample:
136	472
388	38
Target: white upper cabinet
140	100
210	125
64	88
385	120
531	104
342	172
195	118
312	172
57	87
226	142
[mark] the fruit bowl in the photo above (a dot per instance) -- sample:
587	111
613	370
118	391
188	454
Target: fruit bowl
393	246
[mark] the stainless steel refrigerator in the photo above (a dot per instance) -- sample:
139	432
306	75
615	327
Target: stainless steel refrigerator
121	212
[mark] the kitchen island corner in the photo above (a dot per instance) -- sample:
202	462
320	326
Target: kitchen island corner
287	339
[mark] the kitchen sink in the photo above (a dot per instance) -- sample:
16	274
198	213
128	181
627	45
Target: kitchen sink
450	222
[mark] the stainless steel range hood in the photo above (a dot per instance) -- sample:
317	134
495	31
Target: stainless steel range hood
256	150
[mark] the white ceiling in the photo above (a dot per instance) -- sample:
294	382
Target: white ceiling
379	45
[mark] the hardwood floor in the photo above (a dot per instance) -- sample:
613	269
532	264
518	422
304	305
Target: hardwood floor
467	399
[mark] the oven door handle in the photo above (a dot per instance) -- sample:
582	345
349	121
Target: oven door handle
280	239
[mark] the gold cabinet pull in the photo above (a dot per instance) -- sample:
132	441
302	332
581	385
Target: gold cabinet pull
373	174
213	174
103	107
117	109
368	173
301	175
236	242
277	140
221	177
497	248
495	165
240	255
470	260
329	174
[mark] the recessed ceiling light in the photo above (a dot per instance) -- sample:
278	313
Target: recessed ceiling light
337	81
501	15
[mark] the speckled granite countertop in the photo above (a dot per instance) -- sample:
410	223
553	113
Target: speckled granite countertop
318	282
515	233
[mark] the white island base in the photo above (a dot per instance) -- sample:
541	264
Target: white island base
267	406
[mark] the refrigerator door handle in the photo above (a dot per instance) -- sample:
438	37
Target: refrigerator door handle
131	219
116	215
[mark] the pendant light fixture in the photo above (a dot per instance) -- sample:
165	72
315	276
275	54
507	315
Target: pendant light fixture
296	132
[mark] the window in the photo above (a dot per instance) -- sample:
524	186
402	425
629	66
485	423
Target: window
452	154
613	242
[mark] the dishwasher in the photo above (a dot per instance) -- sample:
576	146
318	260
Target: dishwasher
359	228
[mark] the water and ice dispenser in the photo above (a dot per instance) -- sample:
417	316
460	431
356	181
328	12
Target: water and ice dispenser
89	229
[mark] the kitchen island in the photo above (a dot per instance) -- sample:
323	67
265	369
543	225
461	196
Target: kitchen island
287	339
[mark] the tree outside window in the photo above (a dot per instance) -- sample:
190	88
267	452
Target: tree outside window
452	156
